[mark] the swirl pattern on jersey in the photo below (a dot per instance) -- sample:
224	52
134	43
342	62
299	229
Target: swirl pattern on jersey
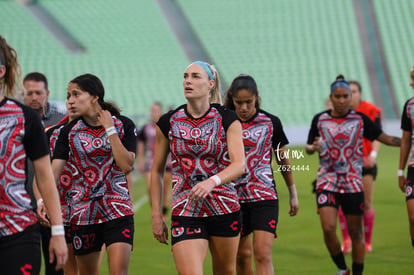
15	208
257	183
99	187
64	184
341	162
199	150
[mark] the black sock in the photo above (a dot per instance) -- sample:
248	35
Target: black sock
357	268
339	260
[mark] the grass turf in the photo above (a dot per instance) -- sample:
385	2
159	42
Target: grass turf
299	248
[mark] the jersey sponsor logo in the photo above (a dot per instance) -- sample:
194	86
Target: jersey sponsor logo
177	231
322	199
77	242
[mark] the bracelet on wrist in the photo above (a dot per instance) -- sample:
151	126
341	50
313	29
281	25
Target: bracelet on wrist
39	202
216	179
57	230
400	172
111	131
373	154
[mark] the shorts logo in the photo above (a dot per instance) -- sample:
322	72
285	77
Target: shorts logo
126	233
77	242
272	224
322	199
193	231
26	269
177	231
234	226
408	190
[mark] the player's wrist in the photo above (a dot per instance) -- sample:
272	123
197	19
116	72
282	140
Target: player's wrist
57	230
400	172
39	202
373	154
216	180
111	131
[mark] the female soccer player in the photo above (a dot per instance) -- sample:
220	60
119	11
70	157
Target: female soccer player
407	153
205	141
100	144
337	135
369	171
22	137
262	134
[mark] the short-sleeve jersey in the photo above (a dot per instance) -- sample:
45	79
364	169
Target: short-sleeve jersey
407	123
341	159
374	113
262	133
65	181
198	149
22	136
99	187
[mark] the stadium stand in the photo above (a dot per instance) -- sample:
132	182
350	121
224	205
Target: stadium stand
395	19
129	46
294	49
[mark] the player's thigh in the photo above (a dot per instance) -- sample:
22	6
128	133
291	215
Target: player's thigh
189	255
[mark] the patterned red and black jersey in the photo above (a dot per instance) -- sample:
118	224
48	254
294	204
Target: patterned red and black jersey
99	187
261	133
407	124
64	183
341	163
22	136
198	149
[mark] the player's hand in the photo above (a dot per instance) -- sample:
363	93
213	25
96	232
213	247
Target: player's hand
58	251
293	200
402	183
42	214
159	229
105	119
200	191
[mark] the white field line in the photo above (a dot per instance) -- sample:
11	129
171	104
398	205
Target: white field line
138	204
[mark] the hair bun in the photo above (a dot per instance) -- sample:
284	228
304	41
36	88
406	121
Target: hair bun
340	77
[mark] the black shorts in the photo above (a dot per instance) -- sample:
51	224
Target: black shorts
370	171
90	238
262	215
410	184
68	234
351	203
189	228
20	253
